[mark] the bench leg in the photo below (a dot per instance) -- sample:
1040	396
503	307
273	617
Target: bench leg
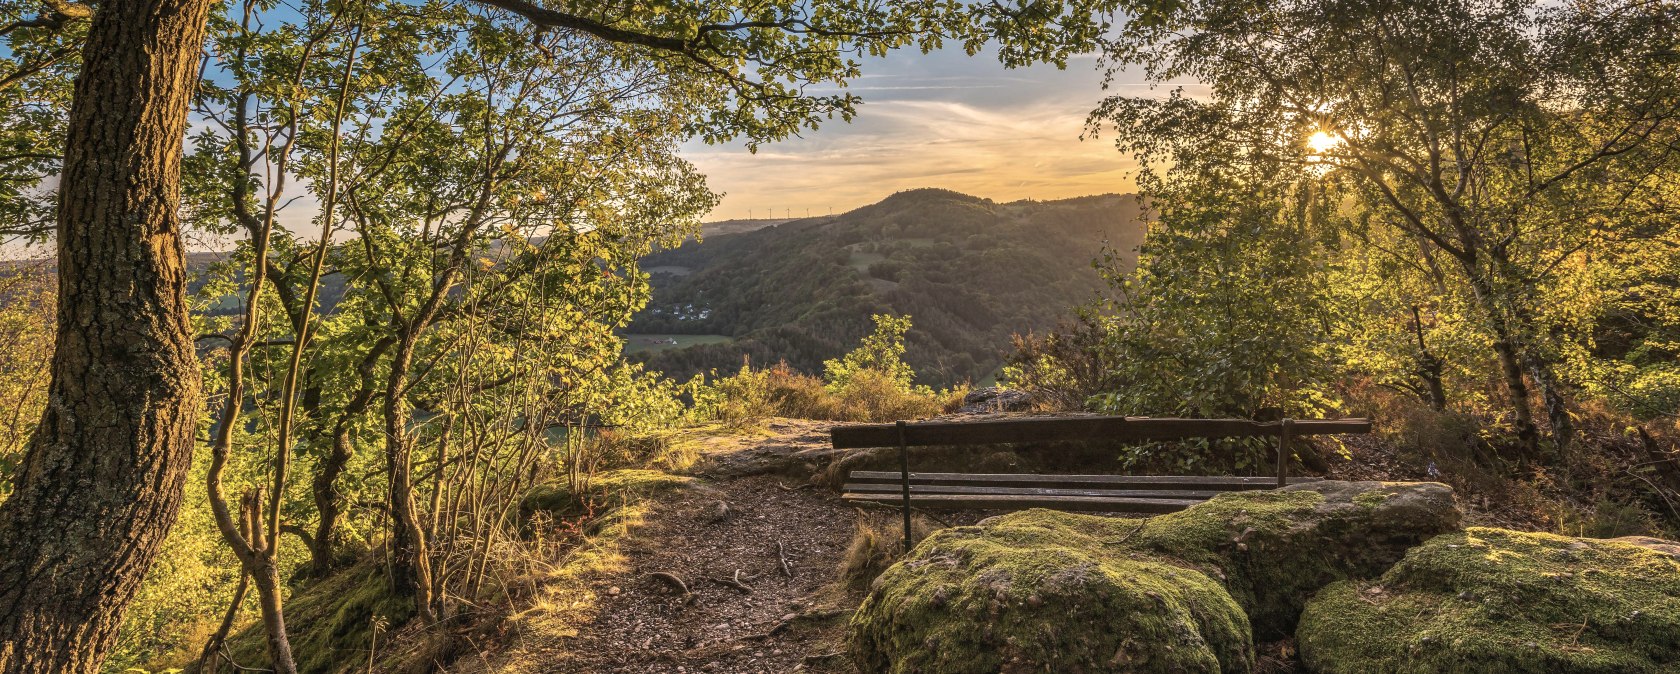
1285	435
904	482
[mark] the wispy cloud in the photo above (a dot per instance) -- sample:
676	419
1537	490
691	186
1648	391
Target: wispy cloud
938	120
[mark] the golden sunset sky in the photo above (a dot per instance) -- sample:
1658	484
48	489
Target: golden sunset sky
933	120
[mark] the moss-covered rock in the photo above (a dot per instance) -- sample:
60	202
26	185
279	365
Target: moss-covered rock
1040	590
1490	600
1274	549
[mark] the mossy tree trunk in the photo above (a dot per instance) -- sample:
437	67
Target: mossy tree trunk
101	484
411	569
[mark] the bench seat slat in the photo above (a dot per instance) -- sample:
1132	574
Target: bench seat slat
1010	502
884	488
1191	482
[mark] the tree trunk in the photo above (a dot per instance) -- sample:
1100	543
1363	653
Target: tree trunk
1557	408
1528	436
328	501
328	541
1429	367
101	484
260	567
411	569
1510	363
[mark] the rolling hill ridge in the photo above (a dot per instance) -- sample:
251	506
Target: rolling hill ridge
971	272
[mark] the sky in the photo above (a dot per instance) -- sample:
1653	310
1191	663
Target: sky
936	120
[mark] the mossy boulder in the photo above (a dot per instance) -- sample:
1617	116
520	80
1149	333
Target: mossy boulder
1040	590
1274	549
1491	600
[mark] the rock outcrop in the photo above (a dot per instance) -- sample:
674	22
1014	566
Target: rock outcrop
995	399
1491	600
1041	590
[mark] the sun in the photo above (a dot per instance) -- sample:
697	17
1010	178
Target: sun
1322	142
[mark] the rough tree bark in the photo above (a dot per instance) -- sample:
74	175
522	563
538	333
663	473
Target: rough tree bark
1429	367
101	484
411	569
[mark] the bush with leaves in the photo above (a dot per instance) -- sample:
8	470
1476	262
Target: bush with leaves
1223	317
870	383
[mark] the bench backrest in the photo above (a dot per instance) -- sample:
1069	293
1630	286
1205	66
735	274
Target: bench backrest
1014	431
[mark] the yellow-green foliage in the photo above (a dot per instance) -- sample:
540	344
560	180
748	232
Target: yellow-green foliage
26	346
1491	600
881	353
866	395
1041	590
871	383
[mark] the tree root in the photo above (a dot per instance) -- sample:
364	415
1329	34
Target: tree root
675	582
774	630
735	582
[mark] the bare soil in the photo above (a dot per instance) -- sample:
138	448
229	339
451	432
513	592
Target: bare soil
756	546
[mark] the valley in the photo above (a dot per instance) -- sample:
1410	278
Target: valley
969	271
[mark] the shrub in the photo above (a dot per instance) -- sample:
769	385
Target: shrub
871	383
1061	370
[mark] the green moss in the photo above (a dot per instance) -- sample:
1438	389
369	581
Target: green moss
1274	549
331	624
1490	600
956	604
1040	593
1371	499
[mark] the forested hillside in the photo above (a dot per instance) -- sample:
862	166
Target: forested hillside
970	272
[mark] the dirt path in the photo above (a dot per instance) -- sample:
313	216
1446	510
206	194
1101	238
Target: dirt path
758	552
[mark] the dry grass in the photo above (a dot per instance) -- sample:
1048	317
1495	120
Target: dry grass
876	544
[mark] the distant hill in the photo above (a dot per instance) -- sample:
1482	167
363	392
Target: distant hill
970	271
739	226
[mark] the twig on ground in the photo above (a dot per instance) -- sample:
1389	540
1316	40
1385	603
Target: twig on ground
820	658
735	582
781	554
1132	533
820	613
784	487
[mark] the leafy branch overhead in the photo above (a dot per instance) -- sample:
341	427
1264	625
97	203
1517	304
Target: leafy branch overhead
776	65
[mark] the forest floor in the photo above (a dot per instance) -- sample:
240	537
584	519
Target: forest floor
757	547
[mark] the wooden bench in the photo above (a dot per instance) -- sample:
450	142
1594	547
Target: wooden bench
1104	493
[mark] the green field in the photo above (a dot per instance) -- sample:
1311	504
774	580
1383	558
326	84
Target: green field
647	343
861	261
